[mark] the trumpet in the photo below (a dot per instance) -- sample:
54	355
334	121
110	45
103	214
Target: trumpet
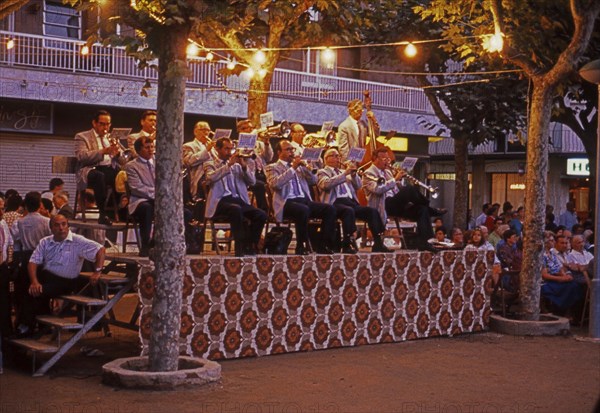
124	155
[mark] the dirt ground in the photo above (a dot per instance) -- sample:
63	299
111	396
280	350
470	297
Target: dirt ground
485	372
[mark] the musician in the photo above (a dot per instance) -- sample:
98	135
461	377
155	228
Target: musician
96	166
264	155
289	179
141	183
338	188
386	193
352	132
227	178
298	141
195	154
148	124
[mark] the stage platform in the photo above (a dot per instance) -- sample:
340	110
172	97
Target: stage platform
254	306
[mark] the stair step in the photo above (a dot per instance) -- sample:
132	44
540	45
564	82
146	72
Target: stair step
110	278
59	322
35	345
84	300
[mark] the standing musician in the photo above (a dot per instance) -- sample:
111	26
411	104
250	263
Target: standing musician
353	131
141	182
227	178
386	193
289	179
96	166
264	155
338	188
195	154
148	124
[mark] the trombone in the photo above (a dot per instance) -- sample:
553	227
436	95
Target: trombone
434	191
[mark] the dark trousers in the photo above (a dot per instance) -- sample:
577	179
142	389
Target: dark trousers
409	203
260	195
234	210
348	210
52	286
5	302
144	215
99	179
299	210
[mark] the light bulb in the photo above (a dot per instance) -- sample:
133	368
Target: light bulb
10	43
191	50
249	73
260	57
85	50
328	55
410	50
231	64
496	42
210	56
262	73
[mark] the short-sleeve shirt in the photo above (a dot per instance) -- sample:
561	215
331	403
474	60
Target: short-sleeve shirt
65	258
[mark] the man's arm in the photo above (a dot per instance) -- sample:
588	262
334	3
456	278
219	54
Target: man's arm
35	288
98	265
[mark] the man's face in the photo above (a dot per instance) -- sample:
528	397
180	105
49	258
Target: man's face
287	151
149	124
577	244
298	133
225	151
246	127
332	159
382	160
562	244
59	228
102	125
201	131
512	240
147	150
356	111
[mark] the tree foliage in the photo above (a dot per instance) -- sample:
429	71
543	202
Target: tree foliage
9	6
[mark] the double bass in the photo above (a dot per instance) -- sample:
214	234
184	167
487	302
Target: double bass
371	143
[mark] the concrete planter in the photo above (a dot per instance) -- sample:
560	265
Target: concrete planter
133	373
547	325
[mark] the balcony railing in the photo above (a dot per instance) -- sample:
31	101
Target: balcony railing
65	55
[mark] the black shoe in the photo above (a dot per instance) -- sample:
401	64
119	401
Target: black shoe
349	249
301	251
104	220
324	250
438	212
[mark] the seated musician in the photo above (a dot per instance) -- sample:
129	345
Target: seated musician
352	132
195	154
141	183
338	188
289	179
54	270
96	167
228	177
386	193
148	124
264	155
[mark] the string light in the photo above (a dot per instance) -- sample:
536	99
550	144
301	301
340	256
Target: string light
249	73
210	56
231	64
493	43
328	55
262	73
85	50
10	43
410	50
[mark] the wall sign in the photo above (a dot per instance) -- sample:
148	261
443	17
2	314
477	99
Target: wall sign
19	116
578	166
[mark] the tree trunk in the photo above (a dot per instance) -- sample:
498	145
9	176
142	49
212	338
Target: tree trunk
169	228
258	96
535	198
461	183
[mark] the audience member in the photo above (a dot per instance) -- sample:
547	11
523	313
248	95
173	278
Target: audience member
61	204
569	217
56	185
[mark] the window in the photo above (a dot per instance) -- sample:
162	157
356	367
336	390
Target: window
61	21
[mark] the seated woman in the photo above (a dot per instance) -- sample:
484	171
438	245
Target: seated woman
558	286
511	257
477	241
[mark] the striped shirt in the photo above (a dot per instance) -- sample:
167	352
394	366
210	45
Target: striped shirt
65	258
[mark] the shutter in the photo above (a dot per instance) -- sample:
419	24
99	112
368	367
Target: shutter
26	163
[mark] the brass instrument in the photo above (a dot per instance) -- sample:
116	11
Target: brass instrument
313	140
125	155
282	130
380	180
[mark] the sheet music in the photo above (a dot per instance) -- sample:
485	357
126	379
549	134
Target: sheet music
120	134
246	141
409	163
356	154
266	120
311	154
222	133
